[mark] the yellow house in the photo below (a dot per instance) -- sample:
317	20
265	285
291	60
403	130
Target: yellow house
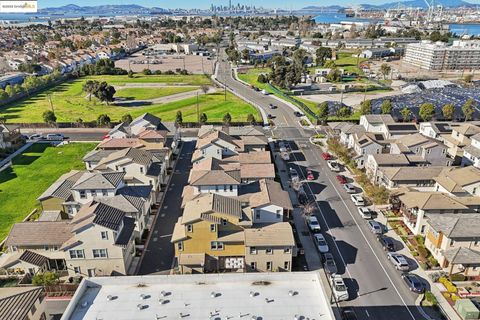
209	237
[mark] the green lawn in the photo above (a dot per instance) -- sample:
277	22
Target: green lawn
70	102
251	76
191	79
151	93
348	63
32	173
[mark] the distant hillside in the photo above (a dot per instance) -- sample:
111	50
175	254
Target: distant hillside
101	9
388	5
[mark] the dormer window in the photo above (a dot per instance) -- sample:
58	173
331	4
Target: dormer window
82	194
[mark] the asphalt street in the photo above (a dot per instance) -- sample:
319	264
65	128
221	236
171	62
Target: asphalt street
376	288
159	253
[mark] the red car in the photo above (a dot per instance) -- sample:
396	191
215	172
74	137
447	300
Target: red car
341	179
326	156
310	175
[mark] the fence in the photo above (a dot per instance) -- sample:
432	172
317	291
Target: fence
296	102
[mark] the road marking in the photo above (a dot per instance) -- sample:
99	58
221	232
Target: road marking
165	207
368	314
154	239
166	235
162	215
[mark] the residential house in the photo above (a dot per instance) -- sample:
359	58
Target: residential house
454	241
376	122
20	303
92	158
10	136
435	129
214	143
418	178
209	176
459	182
398	130
93	185
365	144
431	151
458	139
269	248
376	161
471	153
32	247
144	122
101	242
346	134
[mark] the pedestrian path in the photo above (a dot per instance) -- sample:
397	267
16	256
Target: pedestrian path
7	160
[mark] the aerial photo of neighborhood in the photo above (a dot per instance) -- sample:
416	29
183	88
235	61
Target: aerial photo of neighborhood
274	160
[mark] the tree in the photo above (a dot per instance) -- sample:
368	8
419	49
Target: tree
427	111
323	111
385	69
3	94
386	107
203	118
10	90
47	278
178	119
330	64
322	54
130	73
468	109
335	75
204	88
366	107
103	120
147	72
127	118
90	87
448	111
262	78
245	54
251	118
49	117
227	119
406	114
344	112
105	92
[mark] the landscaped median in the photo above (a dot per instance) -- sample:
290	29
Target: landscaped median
31	174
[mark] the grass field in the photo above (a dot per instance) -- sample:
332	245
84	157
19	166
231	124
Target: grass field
251	77
192	79
151	93
70	102
32	173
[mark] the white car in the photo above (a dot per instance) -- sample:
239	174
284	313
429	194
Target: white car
350	188
264	92
321	243
313	224
365	212
399	261
339	288
333	165
357	199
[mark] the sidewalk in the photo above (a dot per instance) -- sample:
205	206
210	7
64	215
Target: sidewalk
442	302
13	155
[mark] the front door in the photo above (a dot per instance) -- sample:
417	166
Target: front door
91	272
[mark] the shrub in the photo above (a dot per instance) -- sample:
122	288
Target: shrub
420	240
455	297
435	276
433	262
422	251
448	285
457	277
431	298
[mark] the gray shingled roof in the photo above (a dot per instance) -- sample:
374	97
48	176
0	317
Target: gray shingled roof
126	233
464	256
33	258
108	217
61	188
135	155
143	191
456	226
227	205
97	155
17	305
39	233
99	180
125	203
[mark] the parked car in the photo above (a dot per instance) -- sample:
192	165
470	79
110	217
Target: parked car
399	261
375	227
313	224
365	213
326	156
310	175
329	263
350	188
298	114
340	178
414	282
269	116
333	165
387	243
321	243
54	136
282	147
285	156
272	106
340	290
36	136
302	197
357	199
264	92
349	314
293	174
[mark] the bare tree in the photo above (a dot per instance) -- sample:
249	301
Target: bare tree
204	88
308	209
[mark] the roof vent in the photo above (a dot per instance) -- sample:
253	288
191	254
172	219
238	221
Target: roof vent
163	301
213	294
110	297
292	293
144	296
142	306
164	293
255	318
268	300
253	294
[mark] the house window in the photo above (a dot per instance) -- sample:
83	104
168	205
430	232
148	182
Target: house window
216	188
180	246
269	251
452	243
224	222
475	243
474	191
253	250
286	265
225	188
33	309
444	151
99	253
253	265
269	265
77	270
93	192
104	193
141	169
216	245
231	187
76	254
124	169
104	235
257	214
82	194
189	228
213	227
279	214
14	248
286	250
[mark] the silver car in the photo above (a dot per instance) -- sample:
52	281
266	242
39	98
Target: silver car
375	227
329	263
399	261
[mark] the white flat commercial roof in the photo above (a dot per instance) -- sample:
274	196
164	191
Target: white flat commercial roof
202	296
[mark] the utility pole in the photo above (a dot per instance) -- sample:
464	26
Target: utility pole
198	111
202	65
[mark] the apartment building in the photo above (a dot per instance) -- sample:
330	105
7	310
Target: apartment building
458	139
417	178
471	153
461	55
